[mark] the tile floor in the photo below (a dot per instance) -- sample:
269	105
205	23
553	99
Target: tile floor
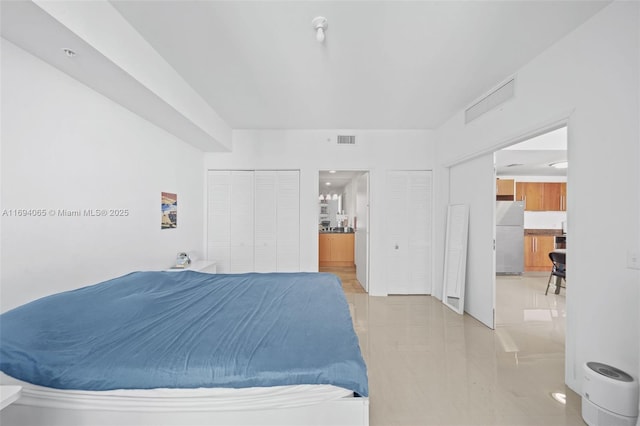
347	275
430	366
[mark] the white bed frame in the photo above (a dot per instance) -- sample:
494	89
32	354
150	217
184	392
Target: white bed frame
55	408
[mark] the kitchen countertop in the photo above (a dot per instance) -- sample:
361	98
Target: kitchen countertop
335	232
554	232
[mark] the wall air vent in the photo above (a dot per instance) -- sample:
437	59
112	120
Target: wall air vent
346	140
489	102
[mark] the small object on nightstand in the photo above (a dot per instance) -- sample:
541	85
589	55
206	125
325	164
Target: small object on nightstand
182	260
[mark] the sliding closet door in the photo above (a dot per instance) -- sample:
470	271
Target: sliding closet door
242	226
219	218
288	221
265	221
254	220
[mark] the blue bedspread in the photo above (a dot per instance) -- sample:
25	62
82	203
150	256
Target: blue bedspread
187	330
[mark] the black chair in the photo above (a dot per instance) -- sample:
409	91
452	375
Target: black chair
558	270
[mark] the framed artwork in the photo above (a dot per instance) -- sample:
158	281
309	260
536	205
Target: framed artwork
169	206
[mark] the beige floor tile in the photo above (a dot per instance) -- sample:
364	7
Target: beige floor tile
430	366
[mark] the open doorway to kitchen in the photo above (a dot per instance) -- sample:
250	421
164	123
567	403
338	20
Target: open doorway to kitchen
531	218
343	227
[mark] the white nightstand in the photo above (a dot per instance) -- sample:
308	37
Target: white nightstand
8	395
208	266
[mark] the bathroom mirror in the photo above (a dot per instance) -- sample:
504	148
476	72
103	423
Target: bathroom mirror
455	260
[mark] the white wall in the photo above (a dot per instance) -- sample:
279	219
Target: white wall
590	79
548	220
64	146
313	150
350	195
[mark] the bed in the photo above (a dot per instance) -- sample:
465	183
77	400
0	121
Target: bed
189	348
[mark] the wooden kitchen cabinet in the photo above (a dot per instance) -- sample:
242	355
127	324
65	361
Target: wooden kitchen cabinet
555	196
542	196
505	189
324	249
551	197
532	195
536	252
336	249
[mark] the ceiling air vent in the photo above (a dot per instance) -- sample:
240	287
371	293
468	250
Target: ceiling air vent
346	140
489	102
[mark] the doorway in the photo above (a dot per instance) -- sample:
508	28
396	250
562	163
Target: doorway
480	193
533	175
343	224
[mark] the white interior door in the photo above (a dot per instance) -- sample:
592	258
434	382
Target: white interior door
409	197
419	232
362	230
397	238
469	183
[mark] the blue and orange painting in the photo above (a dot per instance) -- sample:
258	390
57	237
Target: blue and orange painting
169	211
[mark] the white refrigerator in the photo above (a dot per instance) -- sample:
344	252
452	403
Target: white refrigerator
509	237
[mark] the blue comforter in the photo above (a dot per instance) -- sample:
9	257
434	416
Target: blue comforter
187	330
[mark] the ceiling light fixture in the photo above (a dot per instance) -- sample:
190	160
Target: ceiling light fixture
328	183
320	25
560	165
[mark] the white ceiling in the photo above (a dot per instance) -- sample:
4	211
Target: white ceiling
534	156
257	64
384	64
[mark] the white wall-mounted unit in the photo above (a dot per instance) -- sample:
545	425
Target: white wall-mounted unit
495	98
